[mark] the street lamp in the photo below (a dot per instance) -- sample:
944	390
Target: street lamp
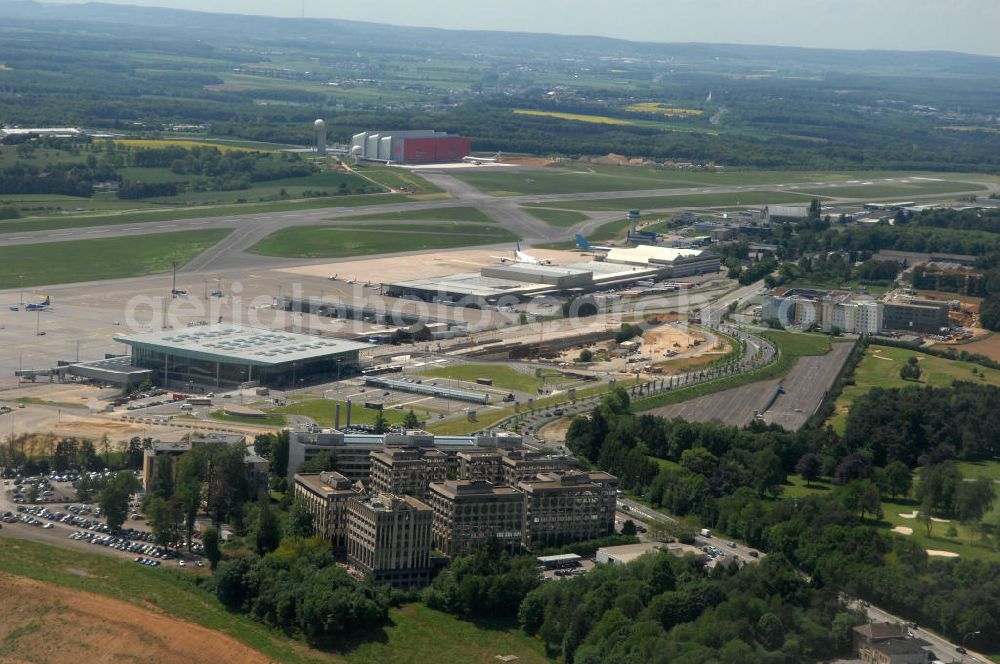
964	639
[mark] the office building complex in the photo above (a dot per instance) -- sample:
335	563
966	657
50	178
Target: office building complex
326	496
568	507
389	537
470	513
407	470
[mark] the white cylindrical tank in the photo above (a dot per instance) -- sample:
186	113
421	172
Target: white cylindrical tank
320	128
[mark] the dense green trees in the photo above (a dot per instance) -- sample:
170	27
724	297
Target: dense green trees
115	495
298	588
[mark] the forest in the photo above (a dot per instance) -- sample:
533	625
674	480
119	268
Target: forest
732	480
768	107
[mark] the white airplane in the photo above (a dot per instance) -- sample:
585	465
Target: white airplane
582	243
479	161
352	280
332	277
522	257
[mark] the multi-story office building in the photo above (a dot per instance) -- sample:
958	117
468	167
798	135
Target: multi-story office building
407	470
568	507
481	465
921	316
519	465
806	308
326	496
389	537
353	450
469	513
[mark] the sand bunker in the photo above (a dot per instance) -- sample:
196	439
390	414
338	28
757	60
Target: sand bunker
942	554
911	515
903	530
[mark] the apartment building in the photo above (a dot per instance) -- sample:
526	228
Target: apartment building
389	537
326	496
469	513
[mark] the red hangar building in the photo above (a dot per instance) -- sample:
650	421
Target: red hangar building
410	147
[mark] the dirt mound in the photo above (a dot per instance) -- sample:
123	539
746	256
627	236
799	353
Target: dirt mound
41	622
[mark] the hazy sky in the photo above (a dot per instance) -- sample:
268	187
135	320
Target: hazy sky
970	26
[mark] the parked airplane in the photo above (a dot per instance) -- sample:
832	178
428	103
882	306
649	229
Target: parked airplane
479	161
582	243
332	277
522	257
39	306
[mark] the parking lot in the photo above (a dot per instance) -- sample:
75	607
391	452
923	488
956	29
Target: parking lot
79	526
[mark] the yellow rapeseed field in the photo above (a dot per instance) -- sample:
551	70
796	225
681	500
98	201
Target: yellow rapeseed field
663	109
596	119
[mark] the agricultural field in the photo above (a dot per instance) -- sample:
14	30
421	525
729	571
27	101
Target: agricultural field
668	110
224	146
553	217
503	377
457	214
899	516
109	258
880	368
321	411
166	616
576	117
340	242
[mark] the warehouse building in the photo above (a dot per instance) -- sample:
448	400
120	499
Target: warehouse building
420	146
226	356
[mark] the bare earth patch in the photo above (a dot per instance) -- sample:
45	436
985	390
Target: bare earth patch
45	623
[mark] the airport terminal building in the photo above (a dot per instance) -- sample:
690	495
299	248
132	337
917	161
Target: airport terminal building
224	356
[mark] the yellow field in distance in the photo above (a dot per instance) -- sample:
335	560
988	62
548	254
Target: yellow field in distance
595	119
663	109
167	143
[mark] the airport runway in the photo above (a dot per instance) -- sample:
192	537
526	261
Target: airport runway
251	228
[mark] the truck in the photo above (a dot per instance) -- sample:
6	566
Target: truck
705	532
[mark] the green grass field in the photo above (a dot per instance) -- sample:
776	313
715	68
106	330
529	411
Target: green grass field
397	178
966	543
269	420
414	635
134	214
880	368
561	218
684	201
111	258
902	190
579	177
321	411
799	344
503	377
436	214
333	242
